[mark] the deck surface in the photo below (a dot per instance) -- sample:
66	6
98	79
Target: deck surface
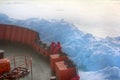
41	68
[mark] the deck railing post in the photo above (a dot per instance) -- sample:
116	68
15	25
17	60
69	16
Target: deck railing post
26	64
31	69
14	62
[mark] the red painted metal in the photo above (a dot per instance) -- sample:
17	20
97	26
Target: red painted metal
63	72
32	38
8	33
4	66
2	32
28	37
20	38
24	36
35	37
18	35
76	78
56	58
13	32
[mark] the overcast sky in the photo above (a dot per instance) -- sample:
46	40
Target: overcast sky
98	17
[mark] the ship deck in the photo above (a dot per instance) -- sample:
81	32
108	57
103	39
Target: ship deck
41	68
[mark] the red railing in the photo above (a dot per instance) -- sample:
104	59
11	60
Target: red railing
21	61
